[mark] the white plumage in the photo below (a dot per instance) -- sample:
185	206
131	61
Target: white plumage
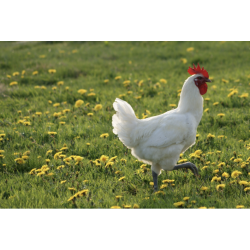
159	140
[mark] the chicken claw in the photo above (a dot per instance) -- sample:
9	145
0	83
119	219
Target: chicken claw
189	165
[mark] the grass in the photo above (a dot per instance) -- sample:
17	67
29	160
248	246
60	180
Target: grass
86	65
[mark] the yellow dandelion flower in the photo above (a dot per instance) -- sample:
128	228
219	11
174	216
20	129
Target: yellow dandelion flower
52	71
104	158
244	95
98	107
224	80
104	135
13	83
115	207
202	207
90	114
122	178
210	136
164	81
52	133
8	76
106	80
206	110
244	183
235	174
91	94
82	91
240	206
184	60
220	186
60	83
79	158
34	73
246	189
179	204
136	206
79	103
16	74
225	174
215	103
172	105
204	188
186	198
62	182
190	49
221	115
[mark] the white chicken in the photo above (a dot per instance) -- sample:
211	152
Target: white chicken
160	140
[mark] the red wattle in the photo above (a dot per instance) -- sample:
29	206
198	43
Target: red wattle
203	88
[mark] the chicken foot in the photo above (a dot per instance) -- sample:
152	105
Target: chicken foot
188	165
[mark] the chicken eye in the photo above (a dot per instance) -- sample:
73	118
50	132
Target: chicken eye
199	77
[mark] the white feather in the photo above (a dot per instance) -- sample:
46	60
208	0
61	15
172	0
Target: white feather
159	140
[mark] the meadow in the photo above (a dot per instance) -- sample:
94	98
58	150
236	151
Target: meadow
57	148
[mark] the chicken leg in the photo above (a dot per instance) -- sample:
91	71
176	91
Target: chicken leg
189	165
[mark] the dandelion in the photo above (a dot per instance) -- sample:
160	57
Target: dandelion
179	204
13	83
204	167
104	135
79	158
122	178
82	91
164	81
221	115
161	187
240	206
202	207
244	183
34	73
206	110
186	198
215	171
136	206
62	182
172	105
91	94
137	97
190	49
224	80
118	77
225	174
60	83
52	71
52	133
210	136
106	80
204	188
90	114
244	95
115	207
104	158
238	160
235	174
79	103
220	186
98	107
184	60
221	164
246	189
15	74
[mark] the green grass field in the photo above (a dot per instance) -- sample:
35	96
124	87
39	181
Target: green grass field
40	84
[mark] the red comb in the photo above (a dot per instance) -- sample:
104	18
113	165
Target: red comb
198	70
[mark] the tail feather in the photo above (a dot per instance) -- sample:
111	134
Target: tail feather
124	121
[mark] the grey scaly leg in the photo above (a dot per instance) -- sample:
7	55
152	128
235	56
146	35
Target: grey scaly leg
155	176
189	165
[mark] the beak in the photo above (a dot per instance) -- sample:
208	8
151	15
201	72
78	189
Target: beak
208	80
